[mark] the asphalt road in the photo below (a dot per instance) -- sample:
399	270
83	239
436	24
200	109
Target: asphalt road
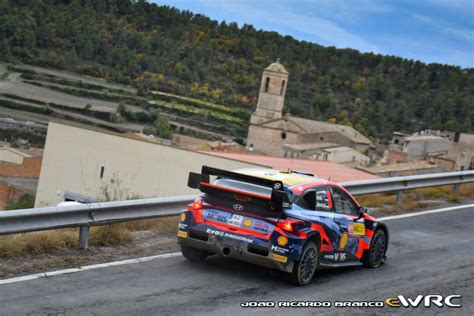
428	254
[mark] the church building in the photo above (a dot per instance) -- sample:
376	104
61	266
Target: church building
272	133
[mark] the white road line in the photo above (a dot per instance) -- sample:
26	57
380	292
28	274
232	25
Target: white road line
176	254
440	210
86	268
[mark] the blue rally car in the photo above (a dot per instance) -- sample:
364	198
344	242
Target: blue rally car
288	221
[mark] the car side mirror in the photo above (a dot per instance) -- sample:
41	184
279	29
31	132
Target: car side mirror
362	211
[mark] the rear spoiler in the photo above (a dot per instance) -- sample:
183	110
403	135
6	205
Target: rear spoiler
278	199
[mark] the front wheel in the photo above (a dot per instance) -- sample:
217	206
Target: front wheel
194	255
373	257
305	269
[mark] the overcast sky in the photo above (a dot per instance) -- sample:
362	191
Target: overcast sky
439	31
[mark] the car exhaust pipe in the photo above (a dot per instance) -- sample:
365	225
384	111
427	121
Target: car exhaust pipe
226	251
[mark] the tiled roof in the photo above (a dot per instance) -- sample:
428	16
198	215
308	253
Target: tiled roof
322	169
309	146
311	126
277	67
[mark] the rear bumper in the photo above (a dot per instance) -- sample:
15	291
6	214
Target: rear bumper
239	251
231	244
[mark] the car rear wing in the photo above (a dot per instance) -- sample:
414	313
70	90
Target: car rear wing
278	199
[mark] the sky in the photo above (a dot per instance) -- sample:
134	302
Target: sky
439	31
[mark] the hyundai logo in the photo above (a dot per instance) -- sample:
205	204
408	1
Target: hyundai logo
238	207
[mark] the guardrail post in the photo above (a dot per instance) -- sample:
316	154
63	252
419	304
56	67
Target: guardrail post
84	237
456	188
399	197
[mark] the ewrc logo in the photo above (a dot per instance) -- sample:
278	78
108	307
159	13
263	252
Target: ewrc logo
428	301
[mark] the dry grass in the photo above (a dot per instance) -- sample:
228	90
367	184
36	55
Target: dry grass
166	225
37	243
374	200
415	199
454	197
467	189
59	241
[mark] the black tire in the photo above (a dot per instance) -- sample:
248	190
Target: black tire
194	255
374	256
305	269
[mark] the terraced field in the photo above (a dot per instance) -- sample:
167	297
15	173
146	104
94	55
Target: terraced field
52	94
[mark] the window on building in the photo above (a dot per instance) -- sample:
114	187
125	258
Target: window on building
267	84
321	138
282	87
283	135
102	172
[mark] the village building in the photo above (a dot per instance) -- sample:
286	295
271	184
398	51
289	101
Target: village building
271	132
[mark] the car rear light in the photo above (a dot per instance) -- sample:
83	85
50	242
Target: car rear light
196	208
197	204
290	224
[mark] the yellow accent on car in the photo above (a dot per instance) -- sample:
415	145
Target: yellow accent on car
285	177
359	229
182	234
282	241
247	222
183	216
279	258
343	241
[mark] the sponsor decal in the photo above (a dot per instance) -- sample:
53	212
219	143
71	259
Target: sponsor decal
279	249
279	258
182	226
229	235
261	227
277	186
282	241
242	198
183	217
238	207
236	220
182	234
343	241
248	223
216	217
356	229
339	256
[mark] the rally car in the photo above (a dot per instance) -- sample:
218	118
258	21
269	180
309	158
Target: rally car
288	221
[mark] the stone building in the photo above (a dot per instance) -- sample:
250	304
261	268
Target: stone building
270	130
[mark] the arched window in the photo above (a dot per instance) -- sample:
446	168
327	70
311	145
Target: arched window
267	84
282	87
283	135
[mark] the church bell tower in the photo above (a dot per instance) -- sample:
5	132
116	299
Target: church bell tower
271	97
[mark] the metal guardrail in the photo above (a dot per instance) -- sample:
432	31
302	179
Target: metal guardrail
95	214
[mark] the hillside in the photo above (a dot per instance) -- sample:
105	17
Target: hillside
153	47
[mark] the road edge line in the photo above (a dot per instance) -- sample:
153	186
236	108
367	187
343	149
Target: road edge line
87	268
440	210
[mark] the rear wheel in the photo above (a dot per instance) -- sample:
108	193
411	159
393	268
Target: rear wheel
305	269
373	257
194	255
